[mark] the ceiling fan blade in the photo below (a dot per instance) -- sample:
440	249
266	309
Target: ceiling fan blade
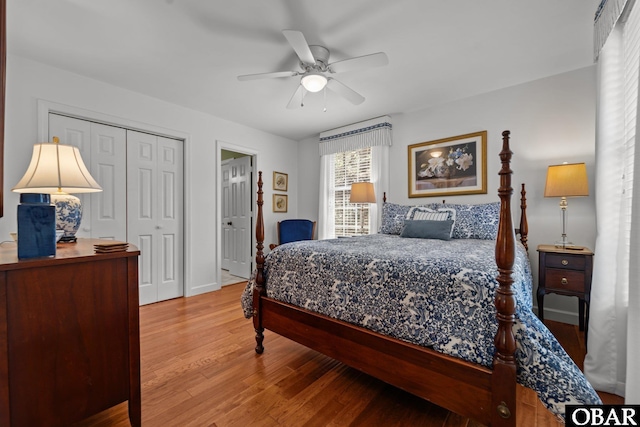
347	93
297	98
276	74
367	61
299	44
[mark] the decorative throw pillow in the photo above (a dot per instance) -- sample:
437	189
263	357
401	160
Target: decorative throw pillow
475	221
393	216
427	213
427	229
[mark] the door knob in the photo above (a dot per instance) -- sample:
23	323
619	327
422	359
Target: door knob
230	223
158	227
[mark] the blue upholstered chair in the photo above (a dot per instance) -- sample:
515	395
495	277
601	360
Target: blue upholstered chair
293	230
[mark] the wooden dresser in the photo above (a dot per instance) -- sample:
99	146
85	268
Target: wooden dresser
69	335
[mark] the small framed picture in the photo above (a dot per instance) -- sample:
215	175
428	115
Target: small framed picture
280	181
280	202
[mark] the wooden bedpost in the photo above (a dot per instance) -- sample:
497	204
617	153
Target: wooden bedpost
504	365
524	225
259	288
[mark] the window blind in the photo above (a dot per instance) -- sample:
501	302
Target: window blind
350	167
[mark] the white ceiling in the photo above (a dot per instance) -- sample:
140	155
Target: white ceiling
189	52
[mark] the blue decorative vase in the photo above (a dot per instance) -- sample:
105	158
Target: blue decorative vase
68	215
36	226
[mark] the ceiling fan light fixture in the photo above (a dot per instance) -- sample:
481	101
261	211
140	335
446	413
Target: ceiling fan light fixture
314	82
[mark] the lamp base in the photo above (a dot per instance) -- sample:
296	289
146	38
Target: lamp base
68	215
36	226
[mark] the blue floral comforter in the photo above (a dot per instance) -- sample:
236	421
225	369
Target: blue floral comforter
429	292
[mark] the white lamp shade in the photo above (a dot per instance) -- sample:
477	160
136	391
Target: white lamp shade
314	82
56	168
362	192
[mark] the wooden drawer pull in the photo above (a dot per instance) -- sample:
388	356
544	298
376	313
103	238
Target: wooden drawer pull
564	281
565	262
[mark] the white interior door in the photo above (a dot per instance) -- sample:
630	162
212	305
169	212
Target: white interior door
103	150
155	206
227	241
240	216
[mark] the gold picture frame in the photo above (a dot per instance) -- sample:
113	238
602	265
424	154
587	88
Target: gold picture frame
449	166
280	181
280	203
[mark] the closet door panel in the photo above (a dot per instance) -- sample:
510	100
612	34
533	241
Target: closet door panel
76	132
103	150
108	209
141	194
155	206
170	208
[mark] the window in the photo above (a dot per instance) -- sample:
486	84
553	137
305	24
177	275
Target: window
353	153
350	167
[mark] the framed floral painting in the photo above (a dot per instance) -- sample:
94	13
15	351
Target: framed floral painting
280	181
450	166
280	203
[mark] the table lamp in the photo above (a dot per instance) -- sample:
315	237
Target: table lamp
57	169
566	180
362	192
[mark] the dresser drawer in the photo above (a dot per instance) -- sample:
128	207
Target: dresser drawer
573	262
564	280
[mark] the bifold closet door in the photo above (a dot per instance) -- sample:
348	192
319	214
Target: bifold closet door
155	213
104	152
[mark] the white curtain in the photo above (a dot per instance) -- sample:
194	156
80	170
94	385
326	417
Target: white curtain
614	343
380	179
374	133
326	224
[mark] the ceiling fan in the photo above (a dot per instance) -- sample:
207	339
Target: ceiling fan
316	70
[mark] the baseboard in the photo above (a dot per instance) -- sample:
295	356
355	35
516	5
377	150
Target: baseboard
559	315
203	289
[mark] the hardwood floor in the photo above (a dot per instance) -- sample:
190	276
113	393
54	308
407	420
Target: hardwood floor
199	369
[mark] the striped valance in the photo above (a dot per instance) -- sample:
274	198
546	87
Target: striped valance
608	13
365	134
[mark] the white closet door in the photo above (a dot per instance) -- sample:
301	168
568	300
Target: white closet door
103	150
155	205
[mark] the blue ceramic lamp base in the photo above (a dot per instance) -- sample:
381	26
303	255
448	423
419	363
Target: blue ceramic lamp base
36	226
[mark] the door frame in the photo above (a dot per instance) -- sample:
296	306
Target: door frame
222	145
46	107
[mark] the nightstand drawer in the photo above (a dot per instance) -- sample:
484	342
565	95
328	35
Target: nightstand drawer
573	262
564	280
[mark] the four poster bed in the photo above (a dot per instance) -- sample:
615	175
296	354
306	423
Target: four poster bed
458	332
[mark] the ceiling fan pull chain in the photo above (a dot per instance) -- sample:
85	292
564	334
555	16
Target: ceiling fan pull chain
324	93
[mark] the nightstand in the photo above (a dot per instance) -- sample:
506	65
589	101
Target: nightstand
566	272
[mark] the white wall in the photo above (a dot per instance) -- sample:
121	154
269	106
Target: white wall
28	82
551	120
